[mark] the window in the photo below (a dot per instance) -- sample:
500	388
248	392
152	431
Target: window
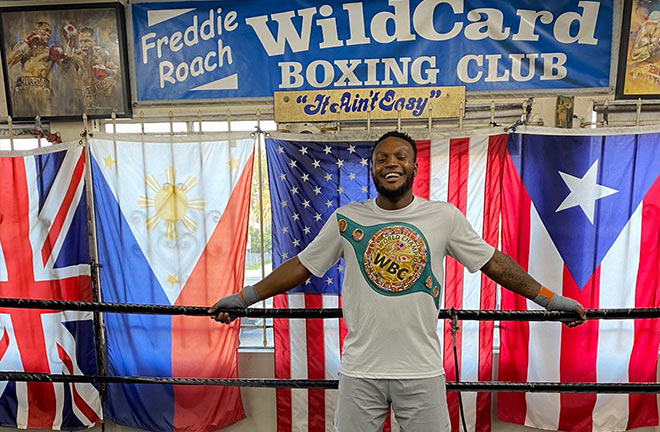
23	143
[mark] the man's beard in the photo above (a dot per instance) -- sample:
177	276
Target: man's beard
394	193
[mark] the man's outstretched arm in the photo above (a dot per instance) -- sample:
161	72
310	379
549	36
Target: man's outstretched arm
505	271
288	275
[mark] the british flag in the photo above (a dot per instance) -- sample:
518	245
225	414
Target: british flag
44	255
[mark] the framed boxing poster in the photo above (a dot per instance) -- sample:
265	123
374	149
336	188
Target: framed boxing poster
639	54
61	61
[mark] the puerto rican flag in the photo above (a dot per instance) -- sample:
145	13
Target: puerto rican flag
172	219
43	255
582	216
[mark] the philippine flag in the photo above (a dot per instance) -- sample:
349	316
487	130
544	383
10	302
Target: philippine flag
171	221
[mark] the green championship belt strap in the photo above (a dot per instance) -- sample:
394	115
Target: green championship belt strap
393	257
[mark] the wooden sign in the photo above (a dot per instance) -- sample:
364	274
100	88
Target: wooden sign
358	104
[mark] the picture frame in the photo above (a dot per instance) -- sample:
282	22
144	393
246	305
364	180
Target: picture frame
638	74
63	61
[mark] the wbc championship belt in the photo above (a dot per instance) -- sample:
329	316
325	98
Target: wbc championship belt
393	257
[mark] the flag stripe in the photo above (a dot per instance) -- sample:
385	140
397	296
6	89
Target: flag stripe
221	264
457	195
615	341
331	352
582	368
546	265
513	364
474	212
282	364
4	343
298	335
439	166
492	194
315	365
58	223
643	409
421	182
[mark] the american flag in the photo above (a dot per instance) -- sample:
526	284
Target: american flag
582	217
43	255
309	180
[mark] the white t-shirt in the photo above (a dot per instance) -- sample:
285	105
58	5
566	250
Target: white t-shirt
393	281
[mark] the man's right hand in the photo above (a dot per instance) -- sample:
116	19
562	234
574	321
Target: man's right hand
241	300
233	301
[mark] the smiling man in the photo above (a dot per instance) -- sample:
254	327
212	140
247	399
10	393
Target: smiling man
393	247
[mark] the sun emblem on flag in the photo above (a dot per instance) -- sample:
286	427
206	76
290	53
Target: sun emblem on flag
171	203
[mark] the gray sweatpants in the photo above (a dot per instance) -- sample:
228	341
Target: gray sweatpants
419	405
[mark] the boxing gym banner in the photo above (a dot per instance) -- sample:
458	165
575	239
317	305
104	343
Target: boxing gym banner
44	256
251	48
172	229
581	216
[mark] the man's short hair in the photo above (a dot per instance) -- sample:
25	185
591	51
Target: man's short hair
396	134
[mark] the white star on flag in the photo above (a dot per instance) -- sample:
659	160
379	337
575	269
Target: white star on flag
351	148
305	177
327	149
295	242
340	190
294	190
351	176
340	163
305	203
280	149
285	230
282	176
328	203
293	163
317	216
328	177
295	216
328	280
285	255
303	150
316	163
317	190
364	162
283	203
364	189
584	192
306	230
